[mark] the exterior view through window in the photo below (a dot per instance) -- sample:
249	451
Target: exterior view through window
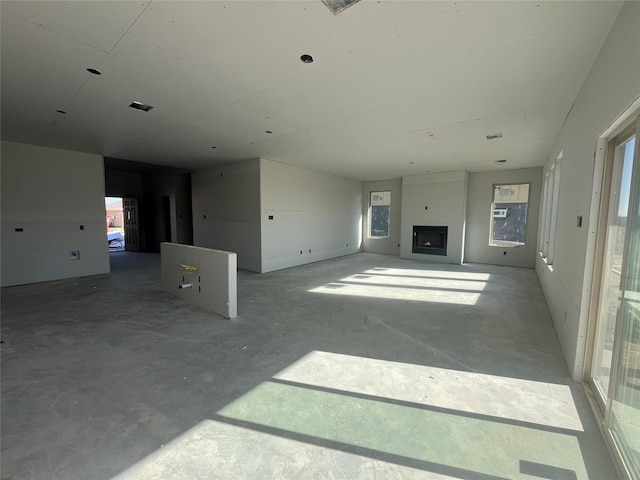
509	215
379	214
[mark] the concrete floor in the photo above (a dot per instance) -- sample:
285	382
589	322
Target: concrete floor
366	366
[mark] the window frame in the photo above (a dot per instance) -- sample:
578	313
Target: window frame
549	211
370	215
494	208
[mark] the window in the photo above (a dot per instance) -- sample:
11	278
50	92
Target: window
509	215
379	214
549	214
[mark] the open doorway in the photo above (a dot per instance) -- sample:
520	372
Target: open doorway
115	223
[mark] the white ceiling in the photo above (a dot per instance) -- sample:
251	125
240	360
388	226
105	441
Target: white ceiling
397	87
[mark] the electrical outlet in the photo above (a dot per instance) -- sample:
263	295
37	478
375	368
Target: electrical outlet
74	255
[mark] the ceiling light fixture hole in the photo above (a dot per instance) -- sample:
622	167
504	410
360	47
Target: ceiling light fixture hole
268	131
306	58
140	106
94	71
61	111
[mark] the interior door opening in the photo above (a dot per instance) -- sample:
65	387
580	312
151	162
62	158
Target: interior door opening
165	219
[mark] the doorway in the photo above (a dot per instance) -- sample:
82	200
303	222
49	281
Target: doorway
115	223
123	228
165	218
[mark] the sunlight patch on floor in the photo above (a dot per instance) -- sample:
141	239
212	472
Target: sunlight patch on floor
461	288
516	399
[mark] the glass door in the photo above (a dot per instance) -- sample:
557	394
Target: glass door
624	418
612	265
615	372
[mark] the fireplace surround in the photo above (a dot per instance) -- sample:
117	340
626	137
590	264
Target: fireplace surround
430	240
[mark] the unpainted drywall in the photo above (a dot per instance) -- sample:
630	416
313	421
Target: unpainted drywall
391	245
119	183
435	199
52	205
205	277
307	216
610	87
226	210
479	199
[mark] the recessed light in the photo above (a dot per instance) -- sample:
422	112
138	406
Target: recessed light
141	106
491	136
268	131
61	111
94	71
306	58
501	161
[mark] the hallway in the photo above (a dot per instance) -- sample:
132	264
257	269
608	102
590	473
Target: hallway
366	366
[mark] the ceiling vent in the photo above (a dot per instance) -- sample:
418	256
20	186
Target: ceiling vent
337	6
141	106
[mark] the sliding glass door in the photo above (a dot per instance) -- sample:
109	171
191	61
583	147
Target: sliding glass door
625	391
613	263
615	372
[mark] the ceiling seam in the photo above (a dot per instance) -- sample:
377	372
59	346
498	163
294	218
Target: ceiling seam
108	53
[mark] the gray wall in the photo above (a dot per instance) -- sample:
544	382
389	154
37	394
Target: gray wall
313	213
444	195
391	245
50	194
119	183
610	87
226	211
479	198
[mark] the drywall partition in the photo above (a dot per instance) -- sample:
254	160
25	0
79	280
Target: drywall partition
612	84
307	216
202	276
434	199
390	245
226	210
479	199
53	214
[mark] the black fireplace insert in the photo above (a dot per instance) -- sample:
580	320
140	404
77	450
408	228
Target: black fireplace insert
429	240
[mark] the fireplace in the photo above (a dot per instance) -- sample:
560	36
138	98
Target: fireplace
429	240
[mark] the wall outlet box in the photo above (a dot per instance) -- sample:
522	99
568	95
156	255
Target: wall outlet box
74	255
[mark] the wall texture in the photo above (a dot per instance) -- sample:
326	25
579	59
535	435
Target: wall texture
315	216
391	245
612	85
444	196
57	198
479	198
226	211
